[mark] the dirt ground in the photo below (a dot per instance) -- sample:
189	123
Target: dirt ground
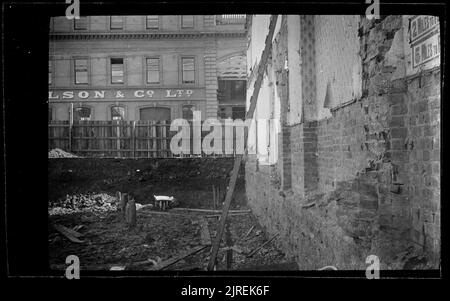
158	236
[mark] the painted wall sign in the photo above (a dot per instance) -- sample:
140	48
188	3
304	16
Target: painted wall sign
426	50
422	25
125	94
422	43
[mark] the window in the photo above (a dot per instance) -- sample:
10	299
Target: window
117	70
81	71
81	113
80	24
187	21
188	112
116	22
188	75
231	90
152	22
50	72
117	113
152	70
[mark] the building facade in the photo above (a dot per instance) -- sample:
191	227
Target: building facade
147	67
353	167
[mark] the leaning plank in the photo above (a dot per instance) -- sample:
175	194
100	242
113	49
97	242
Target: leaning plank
150	212
239	158
64	231
174	260
204	232
231	214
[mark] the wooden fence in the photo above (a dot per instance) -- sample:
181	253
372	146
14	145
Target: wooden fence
124	139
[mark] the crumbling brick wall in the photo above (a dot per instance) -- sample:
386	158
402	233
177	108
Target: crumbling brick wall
365	181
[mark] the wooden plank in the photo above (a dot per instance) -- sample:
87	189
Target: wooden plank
210	210
173	260
229	214
239	158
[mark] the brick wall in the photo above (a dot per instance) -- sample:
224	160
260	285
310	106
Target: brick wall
365	181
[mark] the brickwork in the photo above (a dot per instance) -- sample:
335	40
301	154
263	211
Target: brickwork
367	180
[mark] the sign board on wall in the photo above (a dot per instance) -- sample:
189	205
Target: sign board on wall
423	45
125	94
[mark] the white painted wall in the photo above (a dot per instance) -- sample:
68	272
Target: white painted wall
338	61
268	104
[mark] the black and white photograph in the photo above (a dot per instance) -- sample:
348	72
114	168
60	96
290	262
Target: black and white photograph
239	143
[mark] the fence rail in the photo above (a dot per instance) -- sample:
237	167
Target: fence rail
124	139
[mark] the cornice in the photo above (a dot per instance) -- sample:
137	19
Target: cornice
143	35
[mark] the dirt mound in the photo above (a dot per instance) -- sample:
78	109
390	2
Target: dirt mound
59	153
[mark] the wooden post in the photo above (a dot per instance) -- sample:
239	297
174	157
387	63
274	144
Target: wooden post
119	198
123	205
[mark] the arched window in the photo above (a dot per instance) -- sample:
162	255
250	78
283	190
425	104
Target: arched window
117	113
81	113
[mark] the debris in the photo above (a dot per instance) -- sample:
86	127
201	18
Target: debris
246	234
261	246
234	248
309	205
77	228
328	268
59	153
140	206
154	263
68	233
249	231
231	214
145	212
95	203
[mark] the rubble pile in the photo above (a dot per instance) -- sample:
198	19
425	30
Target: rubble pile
59	153
96	203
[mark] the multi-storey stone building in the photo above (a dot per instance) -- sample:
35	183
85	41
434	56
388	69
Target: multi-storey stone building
147	67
